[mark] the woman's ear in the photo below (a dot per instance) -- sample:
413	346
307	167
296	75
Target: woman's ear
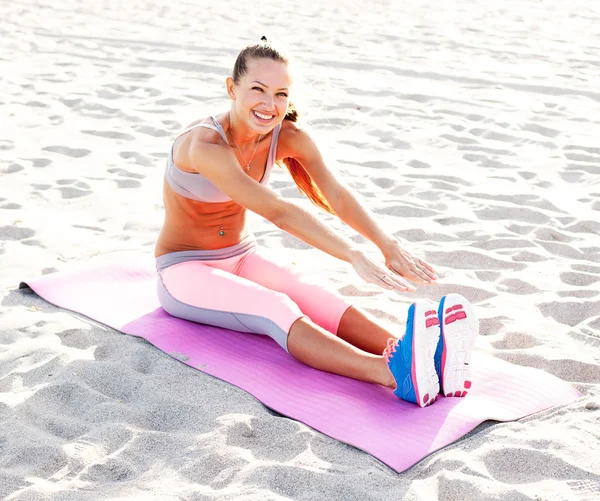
230	88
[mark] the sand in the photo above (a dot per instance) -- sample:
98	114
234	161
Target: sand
470	130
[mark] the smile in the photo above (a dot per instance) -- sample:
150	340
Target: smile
263	117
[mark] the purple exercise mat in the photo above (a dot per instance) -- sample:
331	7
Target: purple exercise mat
122	295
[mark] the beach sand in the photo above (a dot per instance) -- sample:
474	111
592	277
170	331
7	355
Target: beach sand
470	130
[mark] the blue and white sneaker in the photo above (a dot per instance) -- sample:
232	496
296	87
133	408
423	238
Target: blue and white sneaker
410	359
458	330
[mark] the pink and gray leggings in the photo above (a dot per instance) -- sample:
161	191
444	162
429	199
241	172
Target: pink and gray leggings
245	288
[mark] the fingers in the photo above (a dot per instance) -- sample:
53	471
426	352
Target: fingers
415	274
418	271
426	268
420	275
392	281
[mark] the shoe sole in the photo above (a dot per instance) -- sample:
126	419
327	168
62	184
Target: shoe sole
459	328
426	333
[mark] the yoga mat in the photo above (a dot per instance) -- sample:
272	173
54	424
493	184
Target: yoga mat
122	295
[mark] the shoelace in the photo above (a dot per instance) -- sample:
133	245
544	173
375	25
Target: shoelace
390	348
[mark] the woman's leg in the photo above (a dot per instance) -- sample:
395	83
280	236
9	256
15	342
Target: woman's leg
361	329
323	306
322	350
201	293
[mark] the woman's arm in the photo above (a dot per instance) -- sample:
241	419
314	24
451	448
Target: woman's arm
221	167
349	209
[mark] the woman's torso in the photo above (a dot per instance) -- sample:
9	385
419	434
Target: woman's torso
190	223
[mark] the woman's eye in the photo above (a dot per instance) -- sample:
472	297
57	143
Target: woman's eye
256	88
283	94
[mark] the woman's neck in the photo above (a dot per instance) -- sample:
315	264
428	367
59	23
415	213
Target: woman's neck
242	134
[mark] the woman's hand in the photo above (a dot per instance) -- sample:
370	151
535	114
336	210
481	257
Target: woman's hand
408	266
378	274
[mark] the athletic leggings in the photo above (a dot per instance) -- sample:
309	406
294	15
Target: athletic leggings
245	288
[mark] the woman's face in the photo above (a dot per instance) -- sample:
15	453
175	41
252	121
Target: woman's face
262	94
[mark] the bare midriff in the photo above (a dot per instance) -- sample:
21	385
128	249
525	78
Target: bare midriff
195	225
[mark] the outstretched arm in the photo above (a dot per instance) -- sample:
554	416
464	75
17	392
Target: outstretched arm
355	214
219	165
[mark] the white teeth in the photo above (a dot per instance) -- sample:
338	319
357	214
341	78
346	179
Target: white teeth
264	117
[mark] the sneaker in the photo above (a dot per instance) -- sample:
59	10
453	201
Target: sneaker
458	329
410	359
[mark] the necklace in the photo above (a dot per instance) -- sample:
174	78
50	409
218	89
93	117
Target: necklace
240	151
247	168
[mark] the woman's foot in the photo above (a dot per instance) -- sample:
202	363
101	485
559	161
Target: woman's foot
459	328
410	359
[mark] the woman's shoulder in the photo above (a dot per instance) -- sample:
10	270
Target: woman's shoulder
205	130
293	138
194	139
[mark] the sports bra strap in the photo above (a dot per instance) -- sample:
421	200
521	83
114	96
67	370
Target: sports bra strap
217	127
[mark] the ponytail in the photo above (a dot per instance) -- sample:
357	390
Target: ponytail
302	179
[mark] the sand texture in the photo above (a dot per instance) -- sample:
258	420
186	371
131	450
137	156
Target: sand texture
469	128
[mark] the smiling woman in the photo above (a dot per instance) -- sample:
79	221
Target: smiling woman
211	269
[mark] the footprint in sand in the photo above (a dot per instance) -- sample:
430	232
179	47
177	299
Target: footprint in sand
572	177
137	158
491	326
551	235
127	183
405	211
466	260
562	250
152	131
40	162
70	152
9	205
125	173
579	294
543	131
452	221
578	279
588	268
516	286
528	257
516	341
592	227
417	164
570	312
503	243
499	213
111	470
488	276
80	189
15	233
529	465
110	134
459	139
12	168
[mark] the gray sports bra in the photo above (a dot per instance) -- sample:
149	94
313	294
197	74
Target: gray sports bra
197	187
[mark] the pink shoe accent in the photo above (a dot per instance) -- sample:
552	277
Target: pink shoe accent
430	322
461	315
426	397
467	384
431	313
390	348
457	393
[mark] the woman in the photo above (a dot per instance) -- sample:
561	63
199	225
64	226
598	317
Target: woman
212	271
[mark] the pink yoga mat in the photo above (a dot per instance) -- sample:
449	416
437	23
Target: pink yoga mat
369	417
